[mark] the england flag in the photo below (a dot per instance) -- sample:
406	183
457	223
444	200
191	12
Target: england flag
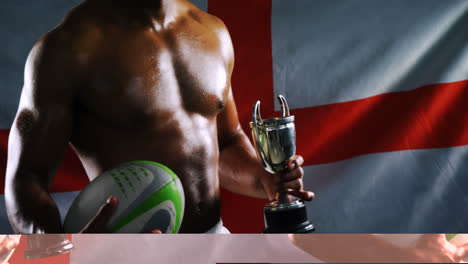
379	91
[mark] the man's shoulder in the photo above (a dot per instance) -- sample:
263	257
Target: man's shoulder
210	21
50	51
58	51
67	40
216	26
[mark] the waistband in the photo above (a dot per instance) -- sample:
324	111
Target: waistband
218	229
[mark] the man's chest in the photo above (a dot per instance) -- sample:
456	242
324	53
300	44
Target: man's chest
150	78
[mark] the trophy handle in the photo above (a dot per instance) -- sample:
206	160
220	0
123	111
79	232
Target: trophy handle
256	133
284	106
256	117
283	197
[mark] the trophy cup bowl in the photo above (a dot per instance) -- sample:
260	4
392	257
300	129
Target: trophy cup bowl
275	143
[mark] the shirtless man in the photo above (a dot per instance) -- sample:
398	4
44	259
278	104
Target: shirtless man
124	80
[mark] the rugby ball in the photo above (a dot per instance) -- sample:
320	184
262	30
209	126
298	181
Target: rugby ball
150	196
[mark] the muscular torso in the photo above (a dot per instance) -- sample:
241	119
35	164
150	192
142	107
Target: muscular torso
150	93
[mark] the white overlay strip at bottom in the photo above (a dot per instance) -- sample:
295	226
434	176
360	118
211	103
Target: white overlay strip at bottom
208	248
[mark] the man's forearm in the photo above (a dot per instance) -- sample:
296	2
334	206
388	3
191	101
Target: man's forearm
31	209
239	169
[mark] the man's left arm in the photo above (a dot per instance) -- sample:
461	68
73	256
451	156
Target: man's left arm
239	169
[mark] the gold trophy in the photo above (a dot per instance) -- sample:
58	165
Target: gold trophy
275	142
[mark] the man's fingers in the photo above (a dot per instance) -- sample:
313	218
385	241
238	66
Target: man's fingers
297	173
289	180
156	231
295	185
295	162
271	193
99	222
304	195
106	211
299	160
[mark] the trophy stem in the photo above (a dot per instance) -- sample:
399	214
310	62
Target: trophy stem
284	198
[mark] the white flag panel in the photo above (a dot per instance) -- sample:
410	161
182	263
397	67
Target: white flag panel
335	51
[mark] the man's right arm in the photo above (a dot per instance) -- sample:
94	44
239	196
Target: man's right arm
39	135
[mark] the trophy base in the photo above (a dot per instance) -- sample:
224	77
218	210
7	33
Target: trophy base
287	218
